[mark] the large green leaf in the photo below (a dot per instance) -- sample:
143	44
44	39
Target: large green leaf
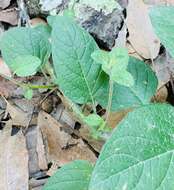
145	85
22	41
73	176
162	18
140	153
77	74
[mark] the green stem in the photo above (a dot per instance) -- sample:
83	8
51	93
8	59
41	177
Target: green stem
109	100
24	85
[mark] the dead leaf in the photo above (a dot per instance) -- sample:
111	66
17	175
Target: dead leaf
42	161
116	117
36	21
61	146
13	160
132	52
19	117
37	184
161	95
4	3
86	135
141	33
164	69
9	16
53	168
31	140
4	69
6	88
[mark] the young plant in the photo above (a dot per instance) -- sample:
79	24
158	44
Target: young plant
139	154
115	65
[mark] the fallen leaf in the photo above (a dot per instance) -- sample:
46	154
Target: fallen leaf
31	140
19	117
42	161
4	69
37	184
164	69
36	21
86	135
116	117
61	147
132	52
141	33
4	3
9	16
161	95
53	168
13	160
6	88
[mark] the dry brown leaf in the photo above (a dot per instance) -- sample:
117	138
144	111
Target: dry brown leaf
36	21
9	16
161	95
132	52
6	88
37	184
95	144
13	160
31	140
141	33
19	117
4	69
42	161
116	117
164	69
4	3
61	146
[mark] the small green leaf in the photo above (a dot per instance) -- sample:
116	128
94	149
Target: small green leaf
73	176
93	120
22	41
25	66
115	64
123	77
163	23
140	152
101	57
145	85
28	93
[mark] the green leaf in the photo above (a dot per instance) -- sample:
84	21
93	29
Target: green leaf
140	152
28	93
22	41
145	85
115	64
163	23
93	120
26	65
77	75
75	175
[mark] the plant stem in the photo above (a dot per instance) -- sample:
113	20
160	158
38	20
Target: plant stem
24	85
109	100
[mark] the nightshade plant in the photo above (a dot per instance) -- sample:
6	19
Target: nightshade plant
139	154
